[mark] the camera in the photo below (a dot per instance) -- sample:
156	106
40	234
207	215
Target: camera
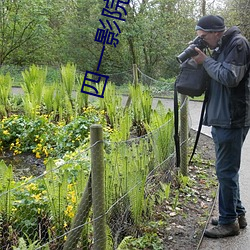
190	51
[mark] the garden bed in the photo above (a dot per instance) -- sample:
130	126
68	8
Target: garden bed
181	215
186	224
178	221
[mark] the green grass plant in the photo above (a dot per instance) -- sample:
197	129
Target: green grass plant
161	128
29	245
141	103
56	184
81	99
33	85
48	98
68	74
60	128
114	107
5	90
126	172
149	240
6	184
164	191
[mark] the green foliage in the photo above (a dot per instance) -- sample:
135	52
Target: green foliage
30	245
6	184
30	206
57	188
161	126
126	172
22	23
68	73
176	199
184	181
47	32
141	104
43	137
50	200
128	161
82	100
147	241
114	108
33	85
48	98
5	89
164	191
123	124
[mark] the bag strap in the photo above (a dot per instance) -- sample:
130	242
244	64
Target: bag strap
176	126
199	127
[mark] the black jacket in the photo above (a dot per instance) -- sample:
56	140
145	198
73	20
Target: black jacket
229	90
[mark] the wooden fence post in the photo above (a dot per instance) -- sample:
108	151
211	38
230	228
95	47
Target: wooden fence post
135	77
80	218
98	195
135	74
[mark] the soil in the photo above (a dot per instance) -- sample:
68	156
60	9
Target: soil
187	222
25	164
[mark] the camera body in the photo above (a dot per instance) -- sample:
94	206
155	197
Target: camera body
190	51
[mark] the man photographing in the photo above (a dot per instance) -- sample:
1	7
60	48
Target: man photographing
228	112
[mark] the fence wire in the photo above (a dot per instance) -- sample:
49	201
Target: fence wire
158	87
40	211
44	210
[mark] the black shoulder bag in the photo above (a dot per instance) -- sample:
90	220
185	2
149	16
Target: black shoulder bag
191	81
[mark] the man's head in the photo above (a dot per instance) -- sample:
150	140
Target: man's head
211	29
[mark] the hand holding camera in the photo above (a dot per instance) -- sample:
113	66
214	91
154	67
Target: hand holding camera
200	57
191	51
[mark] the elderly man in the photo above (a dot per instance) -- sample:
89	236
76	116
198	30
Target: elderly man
228	112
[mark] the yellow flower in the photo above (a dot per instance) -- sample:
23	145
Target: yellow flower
73	199
31	187
69	211
103	112
45	151
14	209
16	152
12	145
38	155
37	196
6	132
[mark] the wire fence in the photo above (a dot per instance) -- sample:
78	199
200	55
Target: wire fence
55	210
158	87
42	209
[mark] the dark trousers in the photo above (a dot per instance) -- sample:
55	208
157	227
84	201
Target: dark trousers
228	145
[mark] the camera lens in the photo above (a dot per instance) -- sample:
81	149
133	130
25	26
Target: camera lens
190	50
187	53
